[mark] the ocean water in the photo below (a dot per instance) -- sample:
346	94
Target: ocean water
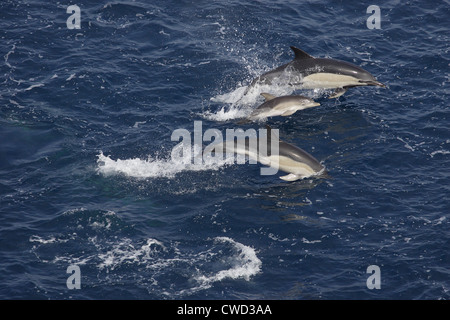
87	178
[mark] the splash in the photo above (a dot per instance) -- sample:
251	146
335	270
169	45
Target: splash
240	102
164	269
245	264
155	167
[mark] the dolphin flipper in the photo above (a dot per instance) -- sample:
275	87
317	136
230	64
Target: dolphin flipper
338	92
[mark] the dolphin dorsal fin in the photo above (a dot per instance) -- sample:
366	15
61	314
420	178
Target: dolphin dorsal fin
268	96
300	54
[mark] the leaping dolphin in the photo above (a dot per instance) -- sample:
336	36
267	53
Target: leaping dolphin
309	72
281	106
285	157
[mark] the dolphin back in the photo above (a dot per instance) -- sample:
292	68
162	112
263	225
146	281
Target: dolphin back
299	155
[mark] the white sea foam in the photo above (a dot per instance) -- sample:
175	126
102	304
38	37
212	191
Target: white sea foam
155	167
235	96
6	56
246	264
41	240
126	252
304	240
227	113
237	103
71	77
136	167
34	86
152	260
443	152
155	256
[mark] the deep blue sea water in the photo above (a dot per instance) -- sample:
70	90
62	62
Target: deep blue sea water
87	178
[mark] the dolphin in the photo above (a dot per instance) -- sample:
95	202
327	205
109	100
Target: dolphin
286	157
297	162
281	106
311	73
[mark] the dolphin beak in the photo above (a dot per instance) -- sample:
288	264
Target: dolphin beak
377	83
312	104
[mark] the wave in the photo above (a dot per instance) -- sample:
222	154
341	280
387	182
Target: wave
164	269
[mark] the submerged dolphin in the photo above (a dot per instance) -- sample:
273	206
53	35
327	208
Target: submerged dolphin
311	73
286	157
281	106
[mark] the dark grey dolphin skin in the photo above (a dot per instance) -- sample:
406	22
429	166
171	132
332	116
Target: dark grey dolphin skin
297	155
281	106
310	73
